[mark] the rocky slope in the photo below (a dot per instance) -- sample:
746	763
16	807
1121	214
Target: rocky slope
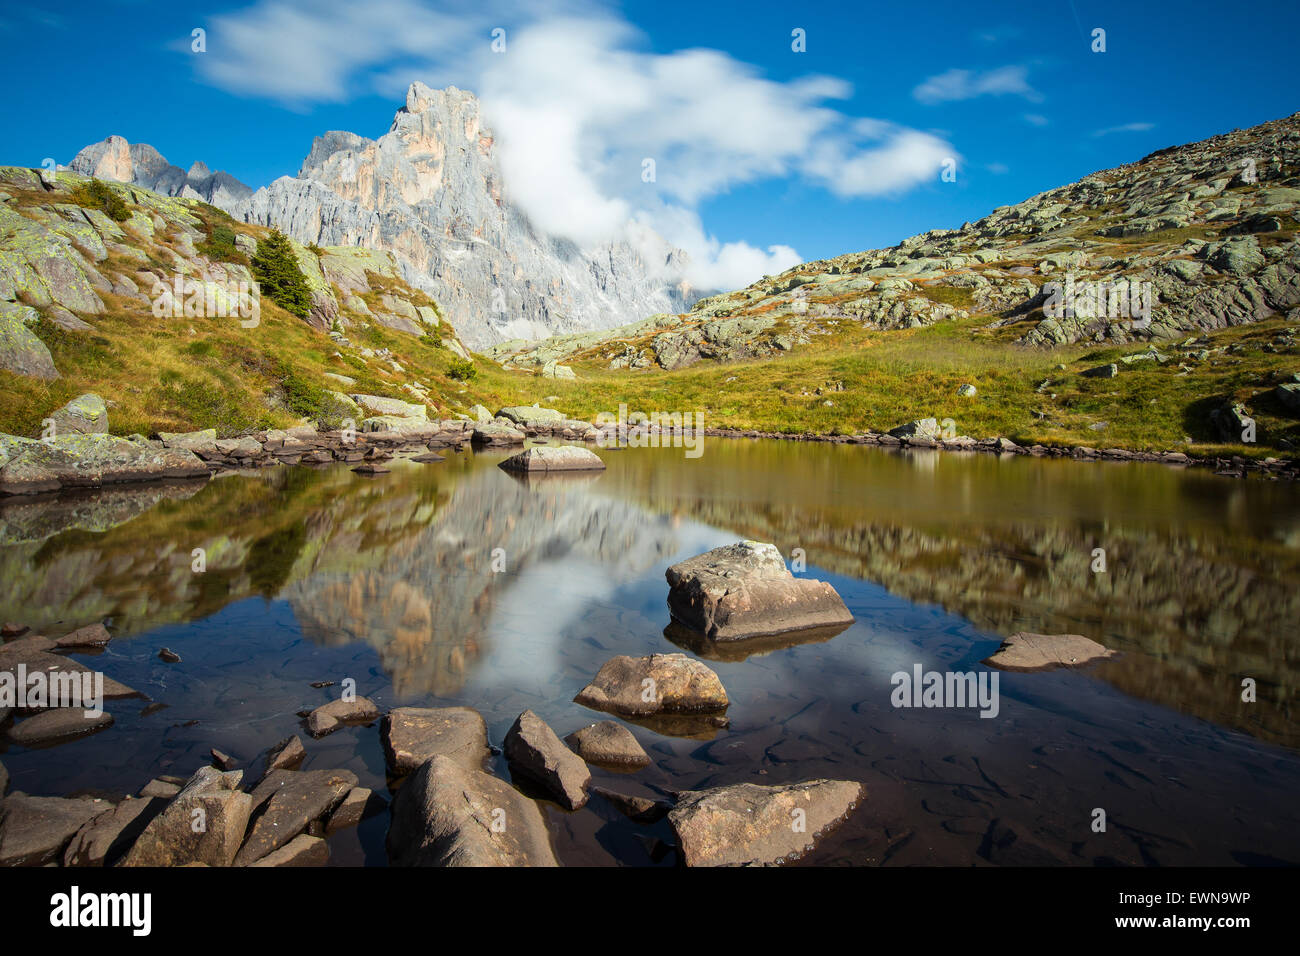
430	192
1208	231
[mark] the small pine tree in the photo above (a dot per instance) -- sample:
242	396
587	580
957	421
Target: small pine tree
275	267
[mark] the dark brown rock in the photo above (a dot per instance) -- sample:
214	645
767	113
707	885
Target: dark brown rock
609	744
534	750
286	803
412	735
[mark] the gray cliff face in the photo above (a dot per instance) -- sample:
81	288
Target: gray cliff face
430	191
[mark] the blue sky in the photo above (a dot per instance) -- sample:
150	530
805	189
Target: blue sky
1011	90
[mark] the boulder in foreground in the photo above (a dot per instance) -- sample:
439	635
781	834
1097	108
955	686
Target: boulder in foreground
413	735
1024	651
534	750
546	458
448	815
749	825
609	744
657	684
745	590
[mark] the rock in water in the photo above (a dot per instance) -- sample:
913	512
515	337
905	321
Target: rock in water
554	458
92	635
748	825
412	735
609	744
745	590
448	815
302	850
330	717
1024	651
171	839
657	684
58	725
34	830
534	750
288	754
101	841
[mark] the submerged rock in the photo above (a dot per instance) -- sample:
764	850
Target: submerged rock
610	744
745	590
56	726
657	684
92	635
1024	651
448	815
534	750
413	735
554	458
747	825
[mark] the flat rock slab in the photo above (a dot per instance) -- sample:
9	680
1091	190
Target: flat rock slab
330	717
495	435
609	744
173	839
35	830
1025	651
289	801
29	655
534	750
554	458
351	811
745	590
654	685
635	807
749	825
92	635
56	726
428	458
448	815
288	754
413	735
302	850
105	838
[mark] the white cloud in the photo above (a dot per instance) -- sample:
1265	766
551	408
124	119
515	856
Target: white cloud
1126	128
968	84
577	104
1036	119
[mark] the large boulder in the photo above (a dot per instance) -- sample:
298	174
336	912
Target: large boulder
88	461
534	750
1024	651
494	435
657	684
921	428
552	458
449	815
84	415
413	735
745	590
204	823
531	415
750	825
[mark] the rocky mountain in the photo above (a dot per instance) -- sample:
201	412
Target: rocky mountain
431	192
1185	241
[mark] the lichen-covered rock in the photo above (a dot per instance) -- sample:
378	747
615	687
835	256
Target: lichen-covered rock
82	461
84	415
553	458
21	352
531	415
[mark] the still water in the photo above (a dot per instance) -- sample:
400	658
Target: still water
322	574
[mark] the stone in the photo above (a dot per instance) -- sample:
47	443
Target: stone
330	717
29	654
555	370
286	803
222	760
92	460
4	780
161	788
609	744
492	434
170	839
56	726
750	825
92	635
552	458
921	428
1102	371
302	850
638	808
1288	394
391	407
84	415
677	685
10	629
966	391
448	815
288	754
35	830
1024	651
1230	422
531	415
350	811
101	841
21	351
745	590
534	750
428	458
480	414
371	469
168	656
411	736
